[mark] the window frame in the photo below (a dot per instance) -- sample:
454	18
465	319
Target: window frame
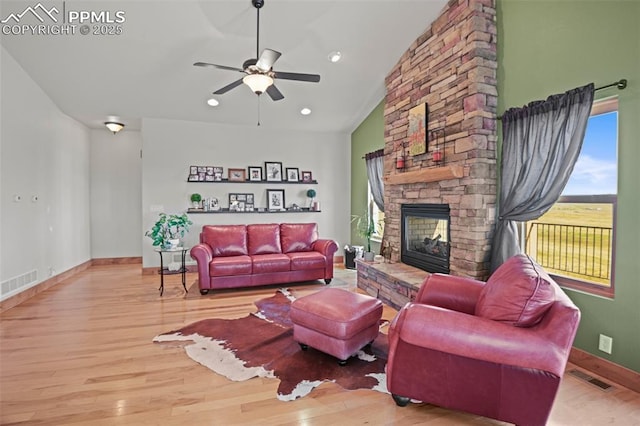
601	106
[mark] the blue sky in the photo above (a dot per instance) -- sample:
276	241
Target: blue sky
596	169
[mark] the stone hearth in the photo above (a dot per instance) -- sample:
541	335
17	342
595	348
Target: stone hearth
451	67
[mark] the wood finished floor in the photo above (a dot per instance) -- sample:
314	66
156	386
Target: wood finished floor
81	354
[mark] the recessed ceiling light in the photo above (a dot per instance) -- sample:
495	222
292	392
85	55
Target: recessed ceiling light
335	56
305	111
213	102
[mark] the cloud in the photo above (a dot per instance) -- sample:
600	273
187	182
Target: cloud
592	176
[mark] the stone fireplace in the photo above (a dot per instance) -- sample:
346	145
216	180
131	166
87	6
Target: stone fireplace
452	68
424	234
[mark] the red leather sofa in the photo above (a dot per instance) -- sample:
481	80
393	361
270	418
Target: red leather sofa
497	349
230	256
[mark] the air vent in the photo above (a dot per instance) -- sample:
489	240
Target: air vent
592	380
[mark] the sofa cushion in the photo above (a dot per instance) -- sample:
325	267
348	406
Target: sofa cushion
225	240
230	265
519	293
298	236
264	238
266	263
302	261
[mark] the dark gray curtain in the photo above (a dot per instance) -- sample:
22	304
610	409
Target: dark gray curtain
541	143
375	171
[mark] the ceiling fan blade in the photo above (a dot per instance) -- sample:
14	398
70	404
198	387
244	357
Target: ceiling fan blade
274	93
228	87
222	67
312	78
267	59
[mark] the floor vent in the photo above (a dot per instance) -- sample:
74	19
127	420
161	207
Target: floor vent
14	284
589	379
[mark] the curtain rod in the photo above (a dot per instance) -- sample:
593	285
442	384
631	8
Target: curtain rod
621	84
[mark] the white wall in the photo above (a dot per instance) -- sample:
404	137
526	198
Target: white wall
171	146
44	153
116	194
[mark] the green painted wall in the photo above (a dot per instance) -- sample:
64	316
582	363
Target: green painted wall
368	137
547	47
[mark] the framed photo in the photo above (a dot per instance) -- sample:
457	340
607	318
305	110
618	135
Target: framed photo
275	199
217	173
209	178
293	174
193	178
255	173
273	171
417	133
237	175
239	202
193	170
307	177
248	207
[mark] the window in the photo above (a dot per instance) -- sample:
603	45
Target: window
376	214
574	240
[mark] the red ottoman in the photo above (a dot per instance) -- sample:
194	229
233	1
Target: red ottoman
336	321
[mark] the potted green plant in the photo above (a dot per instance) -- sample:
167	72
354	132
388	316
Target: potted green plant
168	230
195	199
366	228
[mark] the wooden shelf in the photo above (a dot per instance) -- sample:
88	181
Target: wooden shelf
282	182
432	174
200	211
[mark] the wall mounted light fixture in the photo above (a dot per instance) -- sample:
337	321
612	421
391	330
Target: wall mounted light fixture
114	126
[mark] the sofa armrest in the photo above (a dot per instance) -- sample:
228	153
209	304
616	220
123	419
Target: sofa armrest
451	292
327	247
464	335
203	255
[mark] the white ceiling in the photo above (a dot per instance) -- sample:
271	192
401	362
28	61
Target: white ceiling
147	70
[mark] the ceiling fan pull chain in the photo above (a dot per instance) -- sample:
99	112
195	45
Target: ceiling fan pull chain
258	110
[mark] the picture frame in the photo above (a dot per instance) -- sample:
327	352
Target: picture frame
214	204
193	170
273	171
237	175
417	132
255	173
293	174
240	202
306	176
217	173
193	178
275	200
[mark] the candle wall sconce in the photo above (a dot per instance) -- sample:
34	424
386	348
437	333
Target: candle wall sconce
400	161
438	139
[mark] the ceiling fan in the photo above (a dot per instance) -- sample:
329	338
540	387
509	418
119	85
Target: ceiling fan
259	72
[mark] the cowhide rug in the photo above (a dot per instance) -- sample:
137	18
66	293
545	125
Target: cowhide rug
261	345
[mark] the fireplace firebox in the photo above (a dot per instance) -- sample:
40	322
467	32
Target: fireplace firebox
425	236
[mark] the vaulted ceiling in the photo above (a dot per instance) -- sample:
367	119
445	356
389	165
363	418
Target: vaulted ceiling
147	70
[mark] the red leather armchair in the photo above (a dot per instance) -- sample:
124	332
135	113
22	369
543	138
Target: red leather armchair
496	349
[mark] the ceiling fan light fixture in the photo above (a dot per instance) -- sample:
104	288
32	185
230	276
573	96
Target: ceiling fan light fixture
305	111
335	56
213	102
258	83
114	126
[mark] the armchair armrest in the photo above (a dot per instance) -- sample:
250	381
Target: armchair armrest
451	292
456	333
203	255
